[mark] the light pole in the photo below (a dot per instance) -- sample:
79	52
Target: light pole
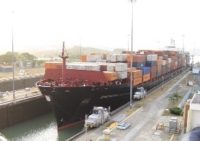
183	36
131	76
128	42
86	128
13	58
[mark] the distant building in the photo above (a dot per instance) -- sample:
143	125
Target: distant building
6	68
192	113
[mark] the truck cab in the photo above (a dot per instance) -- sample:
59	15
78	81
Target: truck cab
99	116
140	93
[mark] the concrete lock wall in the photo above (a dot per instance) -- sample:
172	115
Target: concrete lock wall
18	112
19	83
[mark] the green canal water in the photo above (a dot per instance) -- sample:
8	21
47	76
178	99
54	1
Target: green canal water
42	128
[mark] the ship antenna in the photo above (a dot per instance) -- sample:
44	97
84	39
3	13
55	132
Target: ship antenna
64	57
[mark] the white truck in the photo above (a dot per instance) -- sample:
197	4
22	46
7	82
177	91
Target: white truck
99	116
140	93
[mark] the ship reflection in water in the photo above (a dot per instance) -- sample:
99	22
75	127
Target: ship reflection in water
43	128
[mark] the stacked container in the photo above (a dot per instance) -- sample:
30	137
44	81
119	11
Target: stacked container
110	76
137	76
138	60
121	70
159	67
53	65
152	62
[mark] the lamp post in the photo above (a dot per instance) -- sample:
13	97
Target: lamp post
13	57
131	76
183	36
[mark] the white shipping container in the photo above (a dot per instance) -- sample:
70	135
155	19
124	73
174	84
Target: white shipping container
122	74
160	57
113	58
164	62
110	67
152	57
84	66
169	60
121	67
121	57
108	57
93	58
95	68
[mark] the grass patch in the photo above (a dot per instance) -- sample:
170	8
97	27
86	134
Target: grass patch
176	111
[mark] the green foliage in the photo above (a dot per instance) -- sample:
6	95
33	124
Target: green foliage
176	111
26	57
175	97
8	57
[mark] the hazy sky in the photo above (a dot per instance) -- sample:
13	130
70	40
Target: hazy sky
44	24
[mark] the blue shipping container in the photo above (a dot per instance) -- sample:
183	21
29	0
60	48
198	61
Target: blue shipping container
138	65
151	63
146	70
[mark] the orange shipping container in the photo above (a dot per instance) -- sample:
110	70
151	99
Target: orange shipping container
153	71
146	77
83	58
137	81
136	73
53	65
110	76
136	58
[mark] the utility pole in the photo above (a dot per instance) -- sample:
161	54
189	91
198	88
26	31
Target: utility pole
131	76
128	42
13	57
86	129
183	36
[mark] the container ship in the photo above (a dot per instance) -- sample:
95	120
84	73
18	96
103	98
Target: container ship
73	88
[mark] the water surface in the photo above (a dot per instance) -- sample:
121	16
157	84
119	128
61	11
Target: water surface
42	128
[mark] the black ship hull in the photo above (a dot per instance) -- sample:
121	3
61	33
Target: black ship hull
72	104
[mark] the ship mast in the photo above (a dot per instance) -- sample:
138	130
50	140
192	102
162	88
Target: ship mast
64	57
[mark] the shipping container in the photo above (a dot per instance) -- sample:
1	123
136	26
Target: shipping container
138	64
83	58
113	58
110	67
110	76
137	81
160	57
103	67
136	73
151	63
122	74
146	77
159	70
169	60
53	65
153	71
122	57
165	57
121	66
164	62
136	58
94	58
145	70
152	57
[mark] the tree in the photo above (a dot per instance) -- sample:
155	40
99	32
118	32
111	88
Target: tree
7	58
